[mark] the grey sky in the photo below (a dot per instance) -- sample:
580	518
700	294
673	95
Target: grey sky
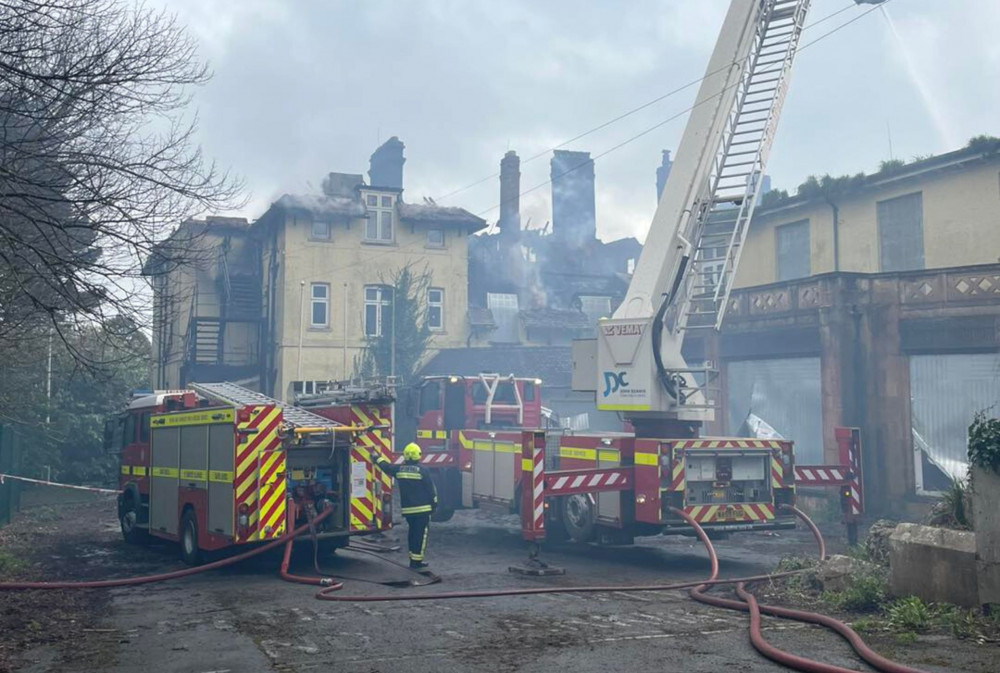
302	88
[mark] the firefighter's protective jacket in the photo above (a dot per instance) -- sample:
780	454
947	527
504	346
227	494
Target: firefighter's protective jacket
417	493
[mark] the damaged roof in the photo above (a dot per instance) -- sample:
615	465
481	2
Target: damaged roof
413	212
324	206
554	318
552	364
327	206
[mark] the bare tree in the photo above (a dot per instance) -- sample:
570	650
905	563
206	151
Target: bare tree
97	162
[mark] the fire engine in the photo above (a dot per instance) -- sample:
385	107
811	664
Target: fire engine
614	486
220	466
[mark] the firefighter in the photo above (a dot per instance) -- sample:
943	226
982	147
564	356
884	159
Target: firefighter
418	498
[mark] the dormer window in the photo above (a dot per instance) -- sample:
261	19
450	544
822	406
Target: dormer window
381	215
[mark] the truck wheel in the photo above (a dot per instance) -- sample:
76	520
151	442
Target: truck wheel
190	553
327	547
579	517
128	518
443	514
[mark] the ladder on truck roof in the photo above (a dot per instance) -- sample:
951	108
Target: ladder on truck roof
238	396
727	204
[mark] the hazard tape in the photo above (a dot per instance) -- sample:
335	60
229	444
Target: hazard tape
43	482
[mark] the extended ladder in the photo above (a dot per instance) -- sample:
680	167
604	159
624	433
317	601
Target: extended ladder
727	205
238	396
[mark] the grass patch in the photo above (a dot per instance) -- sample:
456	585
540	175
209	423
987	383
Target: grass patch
906	638
10	564
867	625
865	592
909	614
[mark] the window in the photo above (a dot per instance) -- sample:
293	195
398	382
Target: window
630	265
791	244
144	427
529	391
504	309
381	211
430	397
320	230
901	233
435	308
435	238
376	302
319	305
128	434
309	388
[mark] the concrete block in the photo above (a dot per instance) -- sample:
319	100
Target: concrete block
986	515
935	564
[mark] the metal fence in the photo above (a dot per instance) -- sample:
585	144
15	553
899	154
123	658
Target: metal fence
10	463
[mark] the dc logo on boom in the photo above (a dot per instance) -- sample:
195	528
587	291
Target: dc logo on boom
613	382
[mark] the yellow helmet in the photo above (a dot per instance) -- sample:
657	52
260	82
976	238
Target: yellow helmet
411	452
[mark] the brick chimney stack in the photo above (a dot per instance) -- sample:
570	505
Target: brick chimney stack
386	165
574	218
510	191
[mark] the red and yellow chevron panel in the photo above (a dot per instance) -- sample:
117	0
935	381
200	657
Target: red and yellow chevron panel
362	500
677	473
728	444
257	431
777	472
378	443
744	512
272	494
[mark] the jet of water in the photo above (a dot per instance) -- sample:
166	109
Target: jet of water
934	108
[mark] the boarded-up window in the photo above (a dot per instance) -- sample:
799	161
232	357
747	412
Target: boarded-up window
791	242
901	233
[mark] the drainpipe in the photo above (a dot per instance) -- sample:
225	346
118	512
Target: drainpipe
836	234
302	327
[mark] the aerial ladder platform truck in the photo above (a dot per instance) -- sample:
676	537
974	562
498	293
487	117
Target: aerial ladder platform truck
614	486
218	466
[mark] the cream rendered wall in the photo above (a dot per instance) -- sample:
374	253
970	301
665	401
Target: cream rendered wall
348	264
961	217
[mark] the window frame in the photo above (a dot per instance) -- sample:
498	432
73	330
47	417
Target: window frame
329	231
378	214
881	225
439	304
380	302
431	244
314	300
785	229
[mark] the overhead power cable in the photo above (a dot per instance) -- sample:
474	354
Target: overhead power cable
620	117
668	119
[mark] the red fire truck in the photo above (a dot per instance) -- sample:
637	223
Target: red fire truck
220	466
606	487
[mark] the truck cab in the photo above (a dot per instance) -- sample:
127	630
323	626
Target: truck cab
488	401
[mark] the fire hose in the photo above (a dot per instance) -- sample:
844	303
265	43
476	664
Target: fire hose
698	588
747	603
177	574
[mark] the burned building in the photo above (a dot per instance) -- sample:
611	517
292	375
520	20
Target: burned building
550	285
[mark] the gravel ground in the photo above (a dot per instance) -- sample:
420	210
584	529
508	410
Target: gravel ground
246	619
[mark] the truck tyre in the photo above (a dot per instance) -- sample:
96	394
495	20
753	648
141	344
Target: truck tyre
190	553
128	518
327	547
579	515
443	514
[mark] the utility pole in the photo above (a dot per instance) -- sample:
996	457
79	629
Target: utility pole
302	328
344	376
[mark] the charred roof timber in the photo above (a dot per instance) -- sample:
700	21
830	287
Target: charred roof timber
386	165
